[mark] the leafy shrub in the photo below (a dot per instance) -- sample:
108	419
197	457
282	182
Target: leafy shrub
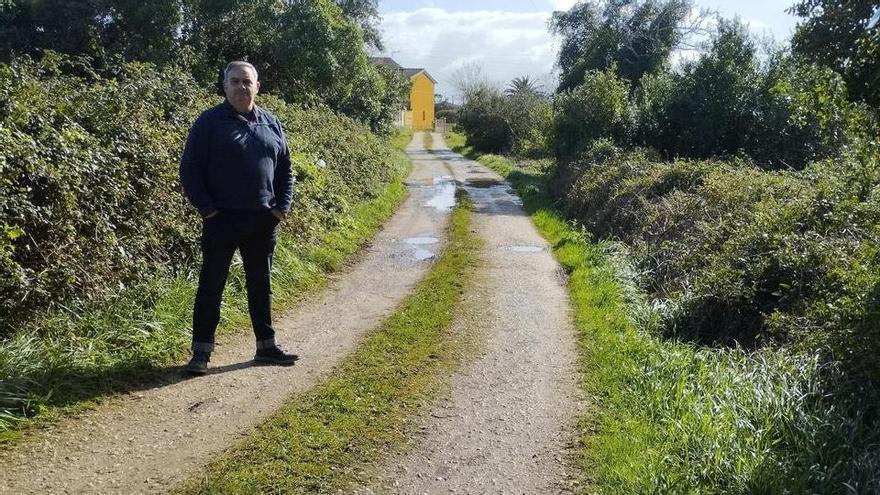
531	123
482	120
518	121
597	108
805	115
726	234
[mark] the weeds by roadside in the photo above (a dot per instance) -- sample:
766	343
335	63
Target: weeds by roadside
401	138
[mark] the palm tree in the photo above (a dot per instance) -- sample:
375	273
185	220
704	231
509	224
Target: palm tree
522	86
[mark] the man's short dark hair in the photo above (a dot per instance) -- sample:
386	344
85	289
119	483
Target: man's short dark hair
239	63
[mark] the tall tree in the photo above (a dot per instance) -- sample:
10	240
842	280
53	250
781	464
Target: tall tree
217	31
364	13
27	26
470	79
134	29
635	36
140	30
322	53
306	50
845	36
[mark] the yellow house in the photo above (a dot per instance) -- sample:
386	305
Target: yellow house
420	115
421	99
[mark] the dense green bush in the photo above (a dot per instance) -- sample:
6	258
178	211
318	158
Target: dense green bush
732	256
518	120
736	252
482	120
782	113
531	123
597	108
89	195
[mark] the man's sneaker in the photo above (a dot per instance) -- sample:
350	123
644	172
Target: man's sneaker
198	365
274	355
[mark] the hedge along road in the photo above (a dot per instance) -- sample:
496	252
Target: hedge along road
508	425
149	441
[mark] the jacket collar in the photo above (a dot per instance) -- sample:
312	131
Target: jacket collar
257	112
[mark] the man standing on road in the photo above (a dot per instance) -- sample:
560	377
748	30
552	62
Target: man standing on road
236	171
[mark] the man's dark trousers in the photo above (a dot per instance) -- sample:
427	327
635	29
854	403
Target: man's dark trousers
253	234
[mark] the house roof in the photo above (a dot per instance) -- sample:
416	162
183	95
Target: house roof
387	61
408	72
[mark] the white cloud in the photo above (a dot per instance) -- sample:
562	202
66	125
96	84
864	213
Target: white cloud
562	4
505	44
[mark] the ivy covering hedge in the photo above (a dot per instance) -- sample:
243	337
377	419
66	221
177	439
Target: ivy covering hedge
90	201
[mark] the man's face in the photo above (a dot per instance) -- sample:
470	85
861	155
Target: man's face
241	86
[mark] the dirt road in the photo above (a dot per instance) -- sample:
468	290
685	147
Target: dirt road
508	423
150	440
504	428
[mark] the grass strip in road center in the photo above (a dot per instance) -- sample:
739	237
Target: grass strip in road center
427	140
319	440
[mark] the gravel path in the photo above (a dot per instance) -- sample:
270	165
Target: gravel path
149	440
508	423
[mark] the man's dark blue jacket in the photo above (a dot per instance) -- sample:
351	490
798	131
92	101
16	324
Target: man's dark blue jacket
237	162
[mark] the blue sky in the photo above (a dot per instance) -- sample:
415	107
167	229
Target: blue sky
510	38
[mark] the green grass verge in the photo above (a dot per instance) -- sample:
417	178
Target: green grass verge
128	343
673	417
319	440
456	142
401	138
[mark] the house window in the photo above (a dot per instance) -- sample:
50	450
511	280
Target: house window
423	115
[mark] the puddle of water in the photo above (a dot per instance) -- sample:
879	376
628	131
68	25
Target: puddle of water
448	155
444	197
419	183
483	183
499	195
422	254
420	240
524	249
